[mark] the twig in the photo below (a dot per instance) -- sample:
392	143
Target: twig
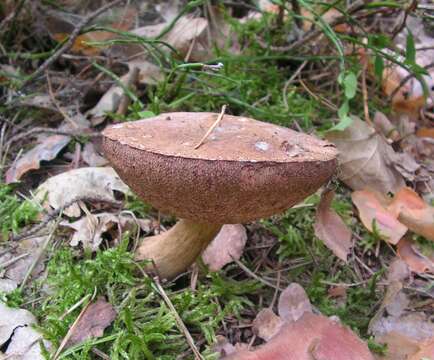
213	126
317	97
13	260
178	320
290	80
365	94
70	42
71	329
407	78
39	255
36	130
56	104
132	79
254	276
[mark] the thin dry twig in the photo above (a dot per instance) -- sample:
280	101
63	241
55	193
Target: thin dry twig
131	82
254	276
213	126
317	97
365	95
73	326
178	320
70	42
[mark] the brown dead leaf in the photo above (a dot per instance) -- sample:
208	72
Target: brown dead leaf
226	246
330	228
267	324
426	351
425	132
398	271
310	337
416	261
366	159
92	323
293	303
413	212
45	151
371	209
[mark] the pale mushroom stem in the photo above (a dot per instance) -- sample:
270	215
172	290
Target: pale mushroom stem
175	250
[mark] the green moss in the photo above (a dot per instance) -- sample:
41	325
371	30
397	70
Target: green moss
14	212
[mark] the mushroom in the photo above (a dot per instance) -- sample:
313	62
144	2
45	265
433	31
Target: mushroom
245	170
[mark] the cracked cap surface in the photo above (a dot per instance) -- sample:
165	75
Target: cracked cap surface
244	170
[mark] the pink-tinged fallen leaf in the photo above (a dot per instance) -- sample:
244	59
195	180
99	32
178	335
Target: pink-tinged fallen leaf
413	212
226	246
45	151
331	229
92	323
372	210
310	337
416	261
426	351
293	303
267	324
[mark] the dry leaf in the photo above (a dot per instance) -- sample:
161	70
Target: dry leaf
371	209
310	337
416	261
89	229
92	323
398	271
89	182
18	339
413	212
426	351
267	324
330	228
91	157
366	159
45	151
226	246
293	303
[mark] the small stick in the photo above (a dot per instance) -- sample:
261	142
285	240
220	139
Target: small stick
365	94
213	126
178	320
13	260
131	82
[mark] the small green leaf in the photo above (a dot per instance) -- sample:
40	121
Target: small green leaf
145	114
410	51
343	110
379	67
350	85
342	124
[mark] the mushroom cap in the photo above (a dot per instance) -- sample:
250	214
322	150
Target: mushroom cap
243	171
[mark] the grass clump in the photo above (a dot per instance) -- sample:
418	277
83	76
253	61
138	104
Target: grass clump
145	328
14	212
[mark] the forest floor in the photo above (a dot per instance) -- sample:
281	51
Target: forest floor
359	76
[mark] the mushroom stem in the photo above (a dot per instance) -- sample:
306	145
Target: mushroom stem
175	250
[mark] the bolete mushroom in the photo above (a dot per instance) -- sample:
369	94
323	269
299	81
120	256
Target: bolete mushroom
245	170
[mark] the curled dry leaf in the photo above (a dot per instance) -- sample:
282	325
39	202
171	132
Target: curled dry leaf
330	228
372	210
413	212
310	337
293	303
91	182
366	159
45	151
226	246
95	318
416	261
89	229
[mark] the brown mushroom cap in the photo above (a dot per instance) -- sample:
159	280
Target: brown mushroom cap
245	169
